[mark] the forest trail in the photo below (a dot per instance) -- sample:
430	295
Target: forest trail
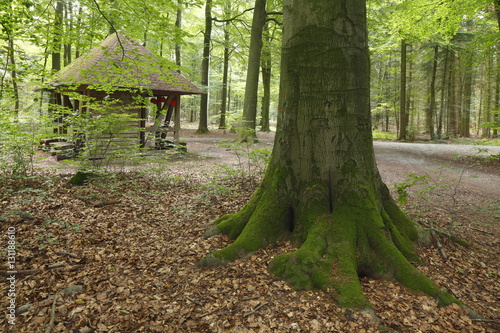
452	165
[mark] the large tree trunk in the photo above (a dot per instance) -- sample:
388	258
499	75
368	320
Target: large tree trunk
247	131
322	188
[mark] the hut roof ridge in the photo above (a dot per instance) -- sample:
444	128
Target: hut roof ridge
121	62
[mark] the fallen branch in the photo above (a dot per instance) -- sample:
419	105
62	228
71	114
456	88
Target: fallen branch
255	309
50	325
484	232
51	267
488	321
21	272
193	301
438	243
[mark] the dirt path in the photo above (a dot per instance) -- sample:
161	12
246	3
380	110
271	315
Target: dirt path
447	163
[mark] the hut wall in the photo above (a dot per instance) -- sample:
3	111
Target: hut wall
117	103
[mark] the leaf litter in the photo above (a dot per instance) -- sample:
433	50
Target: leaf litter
130	243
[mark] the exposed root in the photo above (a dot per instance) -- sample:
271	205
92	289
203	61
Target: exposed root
261	222
361	236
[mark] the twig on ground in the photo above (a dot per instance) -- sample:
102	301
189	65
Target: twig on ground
493	322
50	325
437	242
484	232
255	309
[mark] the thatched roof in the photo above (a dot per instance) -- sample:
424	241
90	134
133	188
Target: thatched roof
121	62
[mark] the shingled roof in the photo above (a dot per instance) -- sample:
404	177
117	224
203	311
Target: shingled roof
120	62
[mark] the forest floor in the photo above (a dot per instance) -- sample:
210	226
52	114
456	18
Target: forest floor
119	254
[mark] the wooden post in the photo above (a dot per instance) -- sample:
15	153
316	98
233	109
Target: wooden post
177	116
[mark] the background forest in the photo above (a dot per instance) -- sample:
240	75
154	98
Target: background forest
435	65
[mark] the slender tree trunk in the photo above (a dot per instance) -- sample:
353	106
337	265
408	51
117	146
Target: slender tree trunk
443	94
467	99
13	73
178	25
225	76
496	113
266	80
322	188
68	19
452	96
486	116
56	42
247	131
410	117
429	118
403	113
205	69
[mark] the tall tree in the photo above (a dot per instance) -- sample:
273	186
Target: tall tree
56	42
178	25
266	65
205	68
403	112
431	109
322	187
247	132
225	74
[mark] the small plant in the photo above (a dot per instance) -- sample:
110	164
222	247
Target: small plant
251	162
45	238
18	144
411	180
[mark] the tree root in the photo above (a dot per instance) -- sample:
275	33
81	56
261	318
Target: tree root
361	236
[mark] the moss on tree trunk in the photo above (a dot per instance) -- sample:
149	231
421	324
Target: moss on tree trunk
322	189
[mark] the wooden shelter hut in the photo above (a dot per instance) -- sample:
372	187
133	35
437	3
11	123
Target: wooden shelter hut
125	77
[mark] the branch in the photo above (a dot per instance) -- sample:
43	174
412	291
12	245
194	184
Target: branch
233	18
112	27
50	325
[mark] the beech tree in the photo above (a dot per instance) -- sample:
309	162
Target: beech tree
205	68
247	132
322	188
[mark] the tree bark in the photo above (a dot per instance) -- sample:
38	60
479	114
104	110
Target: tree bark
225	72
467	96
56	42
322	188
205	69
266	81
247	130
429	119
403	113
452	96
496	112
178	25
443	92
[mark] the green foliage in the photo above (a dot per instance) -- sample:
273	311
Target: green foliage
18	144
251	161
411	180
377	135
